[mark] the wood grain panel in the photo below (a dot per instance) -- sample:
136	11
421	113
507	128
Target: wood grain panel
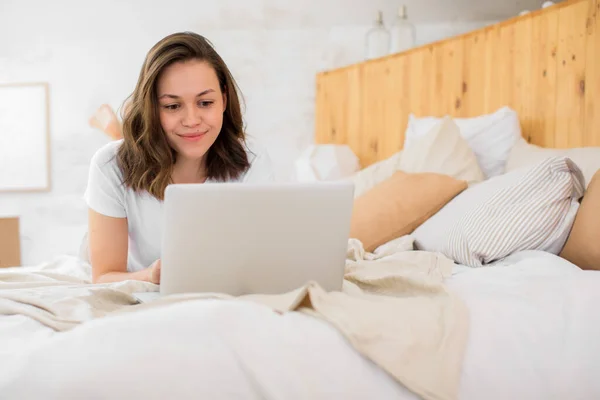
474	75
422	80
521	73
375	96
592	76
491	75
571	55
453	64
544	65
352	104
544	28
501	67
398	98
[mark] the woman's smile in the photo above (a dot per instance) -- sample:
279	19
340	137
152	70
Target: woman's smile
193	136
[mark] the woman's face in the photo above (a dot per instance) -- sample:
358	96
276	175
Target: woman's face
191	107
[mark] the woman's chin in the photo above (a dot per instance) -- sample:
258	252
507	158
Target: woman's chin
193	148
192	154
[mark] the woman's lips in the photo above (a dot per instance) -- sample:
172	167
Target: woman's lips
192	137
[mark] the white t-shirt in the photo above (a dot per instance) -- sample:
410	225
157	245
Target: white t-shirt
106	195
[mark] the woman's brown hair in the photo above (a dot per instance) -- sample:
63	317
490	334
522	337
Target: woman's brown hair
145	157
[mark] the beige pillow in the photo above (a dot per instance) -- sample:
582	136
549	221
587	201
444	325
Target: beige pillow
396	206
444	151
525	154
583	245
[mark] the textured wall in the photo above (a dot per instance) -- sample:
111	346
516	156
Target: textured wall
92	56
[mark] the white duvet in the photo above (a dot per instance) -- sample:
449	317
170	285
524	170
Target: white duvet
533	334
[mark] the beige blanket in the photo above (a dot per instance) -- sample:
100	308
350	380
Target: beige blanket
393	309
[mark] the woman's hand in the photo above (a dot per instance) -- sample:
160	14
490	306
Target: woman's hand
154	272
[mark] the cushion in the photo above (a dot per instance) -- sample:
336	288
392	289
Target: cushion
526	209
526	154
490	136
396	206
376	173
442	150
583	245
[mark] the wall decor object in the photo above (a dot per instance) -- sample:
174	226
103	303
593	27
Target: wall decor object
377	39
403	32
107	121
24	137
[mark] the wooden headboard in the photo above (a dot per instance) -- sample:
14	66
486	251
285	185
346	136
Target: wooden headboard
545	65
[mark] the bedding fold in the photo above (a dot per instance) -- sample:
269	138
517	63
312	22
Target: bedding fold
393	309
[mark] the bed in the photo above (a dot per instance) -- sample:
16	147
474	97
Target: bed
411	323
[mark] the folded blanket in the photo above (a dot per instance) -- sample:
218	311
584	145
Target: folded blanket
393	309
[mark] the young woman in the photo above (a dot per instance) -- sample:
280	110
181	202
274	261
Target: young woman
182	124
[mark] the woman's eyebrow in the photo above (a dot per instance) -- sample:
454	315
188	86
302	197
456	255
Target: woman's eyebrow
172	96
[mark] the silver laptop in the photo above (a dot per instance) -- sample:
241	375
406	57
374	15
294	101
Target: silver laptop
243	238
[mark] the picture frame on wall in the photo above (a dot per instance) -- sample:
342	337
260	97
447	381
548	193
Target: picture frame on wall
25	137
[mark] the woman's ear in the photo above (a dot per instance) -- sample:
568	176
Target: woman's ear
224	98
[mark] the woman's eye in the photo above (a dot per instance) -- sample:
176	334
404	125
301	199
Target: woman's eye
171	106
205	103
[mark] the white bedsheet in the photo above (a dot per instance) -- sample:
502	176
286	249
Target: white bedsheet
534	330
393	306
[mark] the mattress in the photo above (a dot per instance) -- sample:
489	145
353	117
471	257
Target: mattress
533	335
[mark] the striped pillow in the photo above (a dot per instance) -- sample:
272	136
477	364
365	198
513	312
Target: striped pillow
530	208
534	210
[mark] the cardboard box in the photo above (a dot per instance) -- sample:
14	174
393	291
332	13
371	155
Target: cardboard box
10	242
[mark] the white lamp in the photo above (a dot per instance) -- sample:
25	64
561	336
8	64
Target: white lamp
326	162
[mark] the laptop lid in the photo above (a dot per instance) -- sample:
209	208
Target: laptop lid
244	238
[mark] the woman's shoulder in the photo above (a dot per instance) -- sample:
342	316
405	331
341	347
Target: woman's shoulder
105	159
105	192
107	153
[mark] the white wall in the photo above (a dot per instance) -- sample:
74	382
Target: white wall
90	53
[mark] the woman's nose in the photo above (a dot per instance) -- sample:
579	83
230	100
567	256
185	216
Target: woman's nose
192	117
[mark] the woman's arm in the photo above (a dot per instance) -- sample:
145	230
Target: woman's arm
108	251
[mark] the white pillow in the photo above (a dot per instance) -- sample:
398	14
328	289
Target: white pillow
525	154
367	178
490	136
442	150
531	208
